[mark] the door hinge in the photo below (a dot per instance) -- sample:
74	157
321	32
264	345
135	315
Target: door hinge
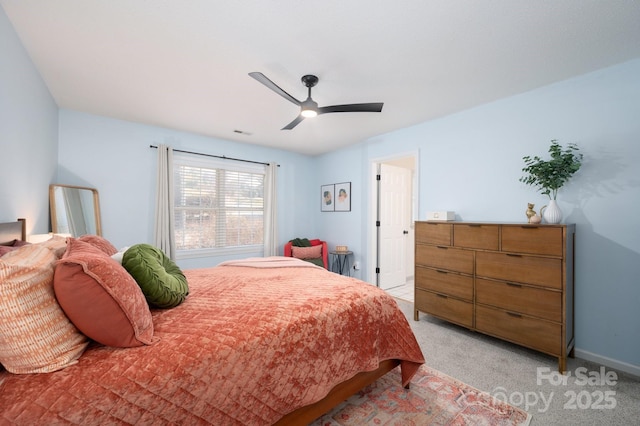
377	177
377	270
377	223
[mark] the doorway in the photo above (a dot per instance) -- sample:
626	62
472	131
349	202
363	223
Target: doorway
394	203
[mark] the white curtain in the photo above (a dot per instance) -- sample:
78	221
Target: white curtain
270	211
164	235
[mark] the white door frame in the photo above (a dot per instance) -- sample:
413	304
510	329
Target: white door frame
372	245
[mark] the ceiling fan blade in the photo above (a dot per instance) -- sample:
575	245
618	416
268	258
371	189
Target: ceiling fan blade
271	85
294	123
370	107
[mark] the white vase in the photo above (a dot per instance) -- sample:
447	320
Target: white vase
551	213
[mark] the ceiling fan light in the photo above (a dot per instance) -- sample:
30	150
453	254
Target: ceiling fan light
308	113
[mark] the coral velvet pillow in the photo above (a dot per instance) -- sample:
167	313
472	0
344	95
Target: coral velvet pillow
101	298
14	245
100	243
313	252
35	334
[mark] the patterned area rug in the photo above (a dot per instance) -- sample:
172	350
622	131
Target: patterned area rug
433	399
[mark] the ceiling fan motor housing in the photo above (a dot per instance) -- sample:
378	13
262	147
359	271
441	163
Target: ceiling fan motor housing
309	80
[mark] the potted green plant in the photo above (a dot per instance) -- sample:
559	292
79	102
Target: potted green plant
550	175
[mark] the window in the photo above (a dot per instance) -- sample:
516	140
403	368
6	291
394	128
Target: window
219	204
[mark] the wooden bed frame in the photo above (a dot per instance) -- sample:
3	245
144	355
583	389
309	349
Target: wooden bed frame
341	392
302	416
13	231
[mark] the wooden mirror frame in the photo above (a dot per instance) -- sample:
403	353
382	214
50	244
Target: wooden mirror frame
54	208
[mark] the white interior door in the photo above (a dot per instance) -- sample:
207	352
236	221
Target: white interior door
394	217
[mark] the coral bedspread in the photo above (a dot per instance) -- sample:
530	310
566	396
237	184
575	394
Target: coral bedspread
252	342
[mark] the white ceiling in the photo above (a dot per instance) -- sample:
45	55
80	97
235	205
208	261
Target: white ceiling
183	64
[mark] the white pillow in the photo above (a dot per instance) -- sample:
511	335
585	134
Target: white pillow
118	256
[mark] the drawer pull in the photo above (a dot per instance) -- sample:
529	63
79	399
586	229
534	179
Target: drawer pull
440	271
442	247
514	255
441	295
513	314
514	285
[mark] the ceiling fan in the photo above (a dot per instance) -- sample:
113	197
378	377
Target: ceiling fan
309	107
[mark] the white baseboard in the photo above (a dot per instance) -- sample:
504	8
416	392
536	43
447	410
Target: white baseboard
608	362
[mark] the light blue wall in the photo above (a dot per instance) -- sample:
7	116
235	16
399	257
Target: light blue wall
28	135
471	163
114	156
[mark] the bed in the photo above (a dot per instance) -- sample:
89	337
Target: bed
256	342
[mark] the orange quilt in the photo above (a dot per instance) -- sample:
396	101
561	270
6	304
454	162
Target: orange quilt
250	344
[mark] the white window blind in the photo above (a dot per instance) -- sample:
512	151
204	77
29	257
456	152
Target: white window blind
219	204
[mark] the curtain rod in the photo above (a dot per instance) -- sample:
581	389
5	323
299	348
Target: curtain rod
218	156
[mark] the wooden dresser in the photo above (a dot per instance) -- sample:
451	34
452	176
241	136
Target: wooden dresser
511	281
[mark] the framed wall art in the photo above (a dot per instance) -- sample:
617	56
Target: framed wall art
343	197
327	198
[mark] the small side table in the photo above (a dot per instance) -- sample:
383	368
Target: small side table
340	262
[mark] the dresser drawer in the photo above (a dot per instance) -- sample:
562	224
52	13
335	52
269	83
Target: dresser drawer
450	283
543	240
542	271
444	307
517	298
534	333
446	258
476	236
433	233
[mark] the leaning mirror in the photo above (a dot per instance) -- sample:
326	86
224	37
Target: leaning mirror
75	210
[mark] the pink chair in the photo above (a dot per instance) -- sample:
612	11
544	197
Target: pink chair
325	250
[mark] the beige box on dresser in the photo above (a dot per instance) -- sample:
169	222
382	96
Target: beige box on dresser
511	281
